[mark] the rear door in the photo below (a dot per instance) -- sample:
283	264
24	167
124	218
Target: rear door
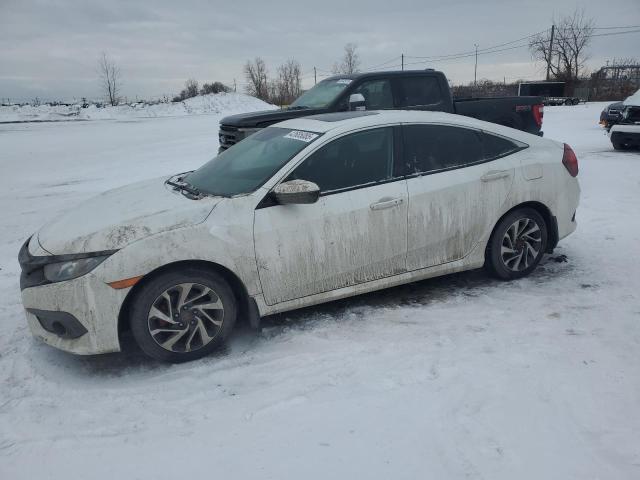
456	190
355	233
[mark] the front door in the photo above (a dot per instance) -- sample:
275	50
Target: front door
355	233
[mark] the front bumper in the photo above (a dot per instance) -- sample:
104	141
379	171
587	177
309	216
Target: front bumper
90	301
626	137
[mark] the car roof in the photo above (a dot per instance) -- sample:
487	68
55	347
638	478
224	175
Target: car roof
337	123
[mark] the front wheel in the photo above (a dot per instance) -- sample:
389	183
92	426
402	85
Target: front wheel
183	315
517	244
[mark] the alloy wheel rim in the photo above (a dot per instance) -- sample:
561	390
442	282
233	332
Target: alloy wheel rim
521	244
185	317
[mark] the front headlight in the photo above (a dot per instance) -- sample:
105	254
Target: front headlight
58	272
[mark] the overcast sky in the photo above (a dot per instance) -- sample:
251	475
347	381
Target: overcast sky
49	49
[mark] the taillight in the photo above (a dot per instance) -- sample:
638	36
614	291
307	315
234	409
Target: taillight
570	161
538	113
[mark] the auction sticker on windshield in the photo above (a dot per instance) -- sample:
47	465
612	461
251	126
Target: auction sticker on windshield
345	81
301	135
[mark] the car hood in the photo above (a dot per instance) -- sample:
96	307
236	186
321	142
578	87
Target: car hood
121	216
266	118
633	100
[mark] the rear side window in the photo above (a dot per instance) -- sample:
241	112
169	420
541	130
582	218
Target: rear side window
415	91
356	159
494	146
430	148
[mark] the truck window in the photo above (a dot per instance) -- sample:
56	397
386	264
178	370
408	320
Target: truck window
356	159
377	94
432	148
415	91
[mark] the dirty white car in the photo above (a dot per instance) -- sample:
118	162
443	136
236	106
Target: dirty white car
303	212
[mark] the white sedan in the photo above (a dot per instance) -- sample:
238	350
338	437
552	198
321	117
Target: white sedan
302	212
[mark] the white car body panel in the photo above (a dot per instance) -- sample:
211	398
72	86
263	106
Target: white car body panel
121	216
450	211
291	256
343	239
625	128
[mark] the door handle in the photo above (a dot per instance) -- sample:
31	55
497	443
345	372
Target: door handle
386	203
495	175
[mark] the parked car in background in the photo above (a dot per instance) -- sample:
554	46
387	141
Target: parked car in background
407	90
552	93
611	114
303	212
626	133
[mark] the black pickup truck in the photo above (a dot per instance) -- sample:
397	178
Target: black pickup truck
401	90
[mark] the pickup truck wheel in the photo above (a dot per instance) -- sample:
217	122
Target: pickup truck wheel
618	146
517	244
183	315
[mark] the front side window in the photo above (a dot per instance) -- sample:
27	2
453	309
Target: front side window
248	164
355	159
429	148
377	94
415	91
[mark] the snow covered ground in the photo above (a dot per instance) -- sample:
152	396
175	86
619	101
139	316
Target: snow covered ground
453	378
227	103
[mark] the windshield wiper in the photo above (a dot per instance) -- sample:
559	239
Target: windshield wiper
298	107
185	187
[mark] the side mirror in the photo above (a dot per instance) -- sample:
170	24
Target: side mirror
357	102
296	192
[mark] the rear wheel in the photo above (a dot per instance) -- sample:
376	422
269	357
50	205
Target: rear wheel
183	315
517	244
618	146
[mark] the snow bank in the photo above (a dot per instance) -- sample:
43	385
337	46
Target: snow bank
217	103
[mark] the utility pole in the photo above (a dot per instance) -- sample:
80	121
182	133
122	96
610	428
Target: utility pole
475	71
315	78
553	30
402	55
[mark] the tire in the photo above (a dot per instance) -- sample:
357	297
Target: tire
618	146
173	302
517	232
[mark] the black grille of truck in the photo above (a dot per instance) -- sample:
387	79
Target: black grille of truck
228	136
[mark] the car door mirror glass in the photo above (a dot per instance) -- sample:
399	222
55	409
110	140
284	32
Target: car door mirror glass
296	192
357	102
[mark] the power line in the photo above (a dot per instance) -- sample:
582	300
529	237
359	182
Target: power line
609	34
382	64
482	50
613	28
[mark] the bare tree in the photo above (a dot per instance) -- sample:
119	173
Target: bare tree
110	79
289	82
350	61
191	88
567	54
256	75
214	87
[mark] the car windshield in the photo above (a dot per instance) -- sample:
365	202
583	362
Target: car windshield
322	94
246	166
